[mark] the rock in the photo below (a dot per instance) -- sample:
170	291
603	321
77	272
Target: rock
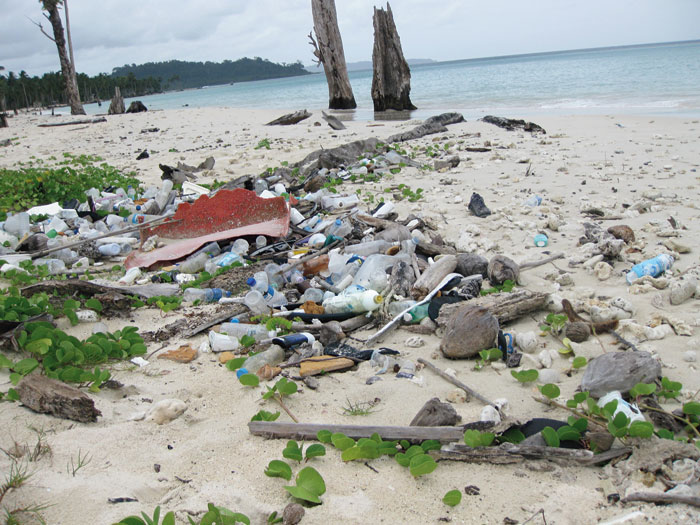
293	513
690	356
136	107
602	271
549	375
470	330
446	163
143	155
545	359
490	414
675	246
472	264
457	396
611	248
619	371
501	269
207	164
623	232
682	290
526	341
311	382
477	206
331	332
225	357
436	414
166	411
184	354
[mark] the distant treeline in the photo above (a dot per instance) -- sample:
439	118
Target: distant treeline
22	91
176	74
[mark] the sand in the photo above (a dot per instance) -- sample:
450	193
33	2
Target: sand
207	454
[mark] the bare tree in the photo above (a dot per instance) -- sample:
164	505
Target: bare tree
67	63
391	80
329	52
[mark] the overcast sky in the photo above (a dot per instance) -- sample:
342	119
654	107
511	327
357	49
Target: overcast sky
111	33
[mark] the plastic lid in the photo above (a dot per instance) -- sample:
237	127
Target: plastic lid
378	299
250	281
338	222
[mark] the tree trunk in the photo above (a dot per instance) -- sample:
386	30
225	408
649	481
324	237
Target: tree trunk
329	52
116	106
76	107
391	81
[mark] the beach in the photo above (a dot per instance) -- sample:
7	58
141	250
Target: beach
608	163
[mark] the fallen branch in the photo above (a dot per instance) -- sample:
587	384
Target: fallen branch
71	286
74	122
308	431
505	306
457	383
652	497
290	118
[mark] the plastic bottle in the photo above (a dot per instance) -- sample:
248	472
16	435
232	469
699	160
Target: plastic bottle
374	263
292	340
227	259
342	201
317	240
208	295
272	356
240	246
255	301
130	276
194	263
384	362
384	210
631	410
339	228
366	301
654	267
260	283
312	294
369	248
275	276
17	224
257	331
407	370
139	218
111	249
316	265
222	342
541	240
295	216
163	195
260	241
53	265
533	201
417	314
397	307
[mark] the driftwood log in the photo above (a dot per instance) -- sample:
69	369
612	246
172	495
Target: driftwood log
116	105
391	78
510	453
73	286
290	118
430	126
456	382
512	124
332	121
49	396
308	431
653	497
3	120
74	122
505	306
328	49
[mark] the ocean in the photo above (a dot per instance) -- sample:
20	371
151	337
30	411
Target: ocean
656	79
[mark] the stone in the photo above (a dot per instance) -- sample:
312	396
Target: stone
311	382
331	332
166	411
549	375
619	371
682	290
414	342
457	396
293	513
136	107
577	331
602	271
623	232
545	359
435	413
470	330
225	357
446	163
526	341
184	354
472	264
477	206
691	356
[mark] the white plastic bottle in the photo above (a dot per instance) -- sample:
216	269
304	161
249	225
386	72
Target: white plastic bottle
272	356
369	248
361	302
257	331
195	263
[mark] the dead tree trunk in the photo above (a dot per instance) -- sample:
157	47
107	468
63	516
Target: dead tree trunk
329	52
391	81
67	69
116	106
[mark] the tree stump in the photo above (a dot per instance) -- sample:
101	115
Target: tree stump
49	396
116	106
391	80
3	121
329	52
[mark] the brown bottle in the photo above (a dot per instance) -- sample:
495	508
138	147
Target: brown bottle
315	265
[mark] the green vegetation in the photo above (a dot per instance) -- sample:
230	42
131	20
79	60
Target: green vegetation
214	516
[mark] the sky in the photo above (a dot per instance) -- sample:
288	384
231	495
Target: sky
111	33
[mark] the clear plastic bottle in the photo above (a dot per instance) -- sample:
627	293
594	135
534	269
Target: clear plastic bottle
255	301
208	295
397	307
240	246
631	410
17	224
316	241
53	265
360	302
654	267
260	283
533	201
227	259
407	369
222	342
339	201
374	263
163	195
111	249
275	276
312	294
272	356
257	331
260	241
369	248
194	263
339	228
130	276
139	218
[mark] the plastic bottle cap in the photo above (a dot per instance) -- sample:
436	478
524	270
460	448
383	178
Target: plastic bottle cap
250	281
378	299
241	371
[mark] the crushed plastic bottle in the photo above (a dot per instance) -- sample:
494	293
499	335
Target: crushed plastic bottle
654	267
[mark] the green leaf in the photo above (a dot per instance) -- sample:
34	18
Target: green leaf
25	366
513	435
39	346
324	436
421	464
249	380
341	441
580	424
387	448
452	498
93	304
352	454
315	450
550	391
568	433
278	469
131	520
286	387
641	429
642	389
264	415
550	437
5	362
579	362
302	493
169	518
525	376
292	451
235	364
474	438
692	408
620	420
430	444
665	434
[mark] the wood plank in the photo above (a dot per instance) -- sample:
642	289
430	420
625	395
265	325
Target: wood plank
324	363
49	396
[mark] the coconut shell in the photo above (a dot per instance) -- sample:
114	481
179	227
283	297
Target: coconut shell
578	332
623	232
470	330
502	269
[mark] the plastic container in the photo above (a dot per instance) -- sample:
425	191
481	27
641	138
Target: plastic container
343	201
407	370
631	410
256	331
533	201
260	241
312	294
360	302
272	356
139	218
130	276
208	295
339	228
17	224
240	246
374	263
654	267
541	240
228	259
113	249
53	265
292	340
384	210
275	276
222	342
255	301
317	240
295	216
260	283
384	362
369	248
194	263
316	265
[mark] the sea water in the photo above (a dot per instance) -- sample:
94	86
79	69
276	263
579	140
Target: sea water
653	79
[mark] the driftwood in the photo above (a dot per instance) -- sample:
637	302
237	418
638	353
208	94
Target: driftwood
456	382
290	118
332	121
308	431
74	122
505	306
3	122
116	105
512	124
391	78
136	107
49	396
329	52
71	286
430	249
652	497
220	317
430	126
510	453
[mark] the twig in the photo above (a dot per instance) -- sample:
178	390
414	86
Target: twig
654	409
534	264
278	398
371	467
651	497
575	412
457	382
541	511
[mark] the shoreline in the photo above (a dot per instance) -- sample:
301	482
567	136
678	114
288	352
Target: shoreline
606	162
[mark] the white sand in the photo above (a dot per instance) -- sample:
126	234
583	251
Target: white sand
603	159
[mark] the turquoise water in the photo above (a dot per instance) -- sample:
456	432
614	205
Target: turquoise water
646	80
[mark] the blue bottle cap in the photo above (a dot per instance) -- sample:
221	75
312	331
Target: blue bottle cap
250	281
241	371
